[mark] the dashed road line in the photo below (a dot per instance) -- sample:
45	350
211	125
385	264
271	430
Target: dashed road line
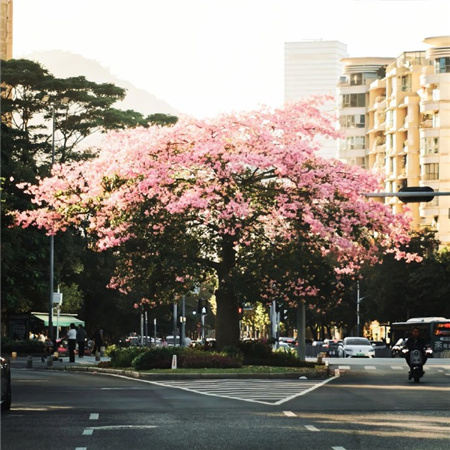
94	416
311	428
88	432
289	414
370	368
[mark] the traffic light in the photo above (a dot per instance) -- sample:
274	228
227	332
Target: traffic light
416	199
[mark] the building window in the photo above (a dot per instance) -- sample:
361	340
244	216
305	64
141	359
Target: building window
353	143
406	83
431	171
361	162
355	121
353	100
356	79
442	65
429	145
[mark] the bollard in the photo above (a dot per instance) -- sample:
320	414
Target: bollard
102	351
14	356
97	356
49	361
29	362
174	361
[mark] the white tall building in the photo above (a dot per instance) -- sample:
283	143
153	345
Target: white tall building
312	67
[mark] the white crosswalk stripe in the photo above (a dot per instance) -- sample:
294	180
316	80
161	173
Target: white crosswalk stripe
270	392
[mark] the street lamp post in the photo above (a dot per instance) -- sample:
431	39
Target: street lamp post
358	300
52	243
64	101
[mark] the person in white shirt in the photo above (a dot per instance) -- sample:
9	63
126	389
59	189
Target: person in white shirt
72	338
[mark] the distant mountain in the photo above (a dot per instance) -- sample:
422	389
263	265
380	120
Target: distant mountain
64	64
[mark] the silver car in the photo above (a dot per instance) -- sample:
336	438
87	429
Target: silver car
356	347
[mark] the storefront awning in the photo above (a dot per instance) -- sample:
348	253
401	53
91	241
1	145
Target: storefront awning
64	320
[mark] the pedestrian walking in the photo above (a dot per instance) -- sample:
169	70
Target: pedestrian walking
72	339
81	340
98	340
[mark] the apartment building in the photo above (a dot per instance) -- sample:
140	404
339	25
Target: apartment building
312	68
6	27
353	88
406	129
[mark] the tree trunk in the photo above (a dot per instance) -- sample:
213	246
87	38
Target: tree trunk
227	318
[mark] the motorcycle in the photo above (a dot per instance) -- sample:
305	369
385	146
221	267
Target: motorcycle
417	358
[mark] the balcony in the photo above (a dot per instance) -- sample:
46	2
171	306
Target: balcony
429	106
426	124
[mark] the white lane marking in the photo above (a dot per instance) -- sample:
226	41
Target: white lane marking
88	432
344	367
397	367
338	448
188	389
311	428
121	427
289	414
370	368
94	416
81	448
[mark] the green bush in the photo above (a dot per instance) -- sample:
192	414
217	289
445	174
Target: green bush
123	357
235	352
256	349
211	360
155	358
26	347
187	358
278	359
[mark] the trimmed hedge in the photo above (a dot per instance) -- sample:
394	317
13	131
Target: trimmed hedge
187	358
256	353
123	356
26	347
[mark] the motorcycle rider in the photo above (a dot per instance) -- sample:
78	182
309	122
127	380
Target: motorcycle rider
415	342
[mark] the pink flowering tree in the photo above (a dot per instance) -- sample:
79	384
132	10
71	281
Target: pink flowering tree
203	197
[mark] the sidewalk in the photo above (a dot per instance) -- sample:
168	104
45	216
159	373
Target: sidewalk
37	363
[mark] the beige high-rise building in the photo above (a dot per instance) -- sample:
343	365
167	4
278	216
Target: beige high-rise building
406	128
6	29
312	68
353	99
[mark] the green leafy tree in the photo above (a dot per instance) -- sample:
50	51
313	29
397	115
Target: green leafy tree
76	108
396	290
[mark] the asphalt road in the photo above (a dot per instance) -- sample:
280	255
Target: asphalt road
366	405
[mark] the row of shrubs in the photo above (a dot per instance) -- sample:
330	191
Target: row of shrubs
25	347
248	353
147	358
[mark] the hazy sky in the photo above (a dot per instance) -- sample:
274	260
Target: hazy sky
211	56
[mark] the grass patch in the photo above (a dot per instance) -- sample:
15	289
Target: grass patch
245	370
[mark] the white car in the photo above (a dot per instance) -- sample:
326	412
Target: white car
356	347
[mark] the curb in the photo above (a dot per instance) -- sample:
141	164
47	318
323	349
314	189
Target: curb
192	376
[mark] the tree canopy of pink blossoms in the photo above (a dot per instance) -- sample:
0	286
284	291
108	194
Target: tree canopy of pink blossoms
235	182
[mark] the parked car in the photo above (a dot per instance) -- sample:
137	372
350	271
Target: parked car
290	341
378	345
331	347
356	347
6	384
